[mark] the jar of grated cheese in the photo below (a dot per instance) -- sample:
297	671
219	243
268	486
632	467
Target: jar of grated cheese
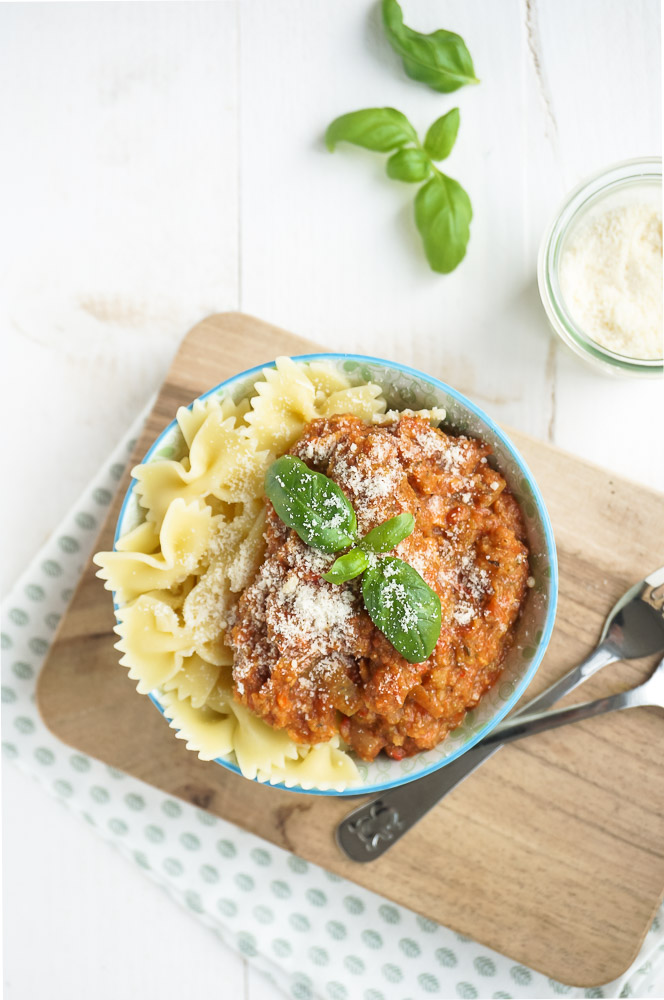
600	269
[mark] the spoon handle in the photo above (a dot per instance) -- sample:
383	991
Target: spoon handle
371	829
539	722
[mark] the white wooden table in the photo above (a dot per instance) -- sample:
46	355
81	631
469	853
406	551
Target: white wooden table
164	161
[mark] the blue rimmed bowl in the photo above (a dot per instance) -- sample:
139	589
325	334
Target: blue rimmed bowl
404	388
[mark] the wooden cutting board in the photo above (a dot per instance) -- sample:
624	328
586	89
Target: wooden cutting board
553	852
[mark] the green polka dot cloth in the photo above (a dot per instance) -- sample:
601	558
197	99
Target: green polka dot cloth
313	934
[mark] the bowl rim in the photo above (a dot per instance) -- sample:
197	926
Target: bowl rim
569	210
550	545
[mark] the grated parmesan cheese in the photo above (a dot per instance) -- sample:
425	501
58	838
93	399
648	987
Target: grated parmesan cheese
611	278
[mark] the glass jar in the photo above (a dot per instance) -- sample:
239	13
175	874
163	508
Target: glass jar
629	180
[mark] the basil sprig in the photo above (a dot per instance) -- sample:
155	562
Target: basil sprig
382	538
311	504
440	59
442	208
399	602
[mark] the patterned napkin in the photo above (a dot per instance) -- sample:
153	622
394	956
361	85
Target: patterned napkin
313	934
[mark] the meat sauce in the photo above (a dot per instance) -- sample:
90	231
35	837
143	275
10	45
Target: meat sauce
307	657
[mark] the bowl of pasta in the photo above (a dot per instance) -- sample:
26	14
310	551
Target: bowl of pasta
332	574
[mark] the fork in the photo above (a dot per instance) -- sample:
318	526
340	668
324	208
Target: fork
633	628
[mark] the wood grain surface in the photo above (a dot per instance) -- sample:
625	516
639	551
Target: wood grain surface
553	852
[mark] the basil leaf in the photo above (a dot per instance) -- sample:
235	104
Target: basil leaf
442	135
442	215
408	165
403	606
380	129
347	567
385	536
440	59
311	504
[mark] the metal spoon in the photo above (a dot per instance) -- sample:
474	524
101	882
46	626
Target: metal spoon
634	628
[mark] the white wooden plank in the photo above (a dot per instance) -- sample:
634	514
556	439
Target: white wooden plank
600	60
120	182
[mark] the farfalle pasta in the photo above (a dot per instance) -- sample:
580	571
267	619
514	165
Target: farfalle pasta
184	539
177	574
223	463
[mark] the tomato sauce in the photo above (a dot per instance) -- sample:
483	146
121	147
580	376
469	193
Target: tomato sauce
307	657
